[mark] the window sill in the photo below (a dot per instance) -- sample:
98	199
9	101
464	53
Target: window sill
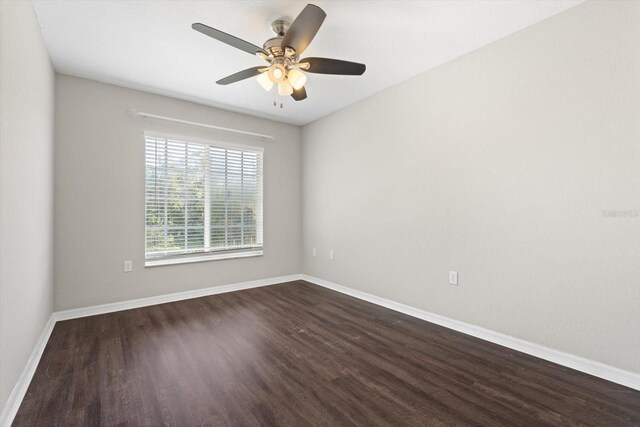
202	258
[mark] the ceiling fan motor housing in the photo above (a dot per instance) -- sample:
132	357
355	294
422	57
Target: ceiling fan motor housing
273	46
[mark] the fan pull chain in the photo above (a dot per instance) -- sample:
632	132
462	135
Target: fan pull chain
275	103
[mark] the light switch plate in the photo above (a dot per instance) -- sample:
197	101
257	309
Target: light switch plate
128	266
331	254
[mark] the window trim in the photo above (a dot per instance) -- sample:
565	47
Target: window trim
214	255
206	256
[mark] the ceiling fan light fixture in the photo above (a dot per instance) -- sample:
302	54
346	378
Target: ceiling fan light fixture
265	81
297	78
285	88
277	73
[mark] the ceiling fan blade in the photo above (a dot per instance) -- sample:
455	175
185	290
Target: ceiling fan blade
226	38
304	28
333	66
299	94
240	75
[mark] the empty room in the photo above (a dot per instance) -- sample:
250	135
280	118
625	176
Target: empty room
338	213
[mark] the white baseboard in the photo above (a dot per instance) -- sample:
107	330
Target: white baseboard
161	299
616	375
597	369
20	389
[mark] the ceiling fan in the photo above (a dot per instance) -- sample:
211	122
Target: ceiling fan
282	52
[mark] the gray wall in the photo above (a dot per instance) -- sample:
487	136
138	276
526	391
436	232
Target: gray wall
498	165
99	190
26	189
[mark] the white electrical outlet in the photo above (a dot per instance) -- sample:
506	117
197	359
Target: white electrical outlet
128	266
314	252
331	254
453	277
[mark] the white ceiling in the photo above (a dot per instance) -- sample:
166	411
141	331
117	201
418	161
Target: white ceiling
149	45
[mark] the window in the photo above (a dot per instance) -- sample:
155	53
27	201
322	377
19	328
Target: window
203	201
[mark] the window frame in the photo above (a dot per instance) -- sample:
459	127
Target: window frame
212	255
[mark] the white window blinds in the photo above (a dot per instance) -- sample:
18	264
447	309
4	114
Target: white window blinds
201	198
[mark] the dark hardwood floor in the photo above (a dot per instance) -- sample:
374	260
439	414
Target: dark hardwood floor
296	354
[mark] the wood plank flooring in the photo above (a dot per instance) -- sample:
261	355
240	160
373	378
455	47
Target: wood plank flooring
300	355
